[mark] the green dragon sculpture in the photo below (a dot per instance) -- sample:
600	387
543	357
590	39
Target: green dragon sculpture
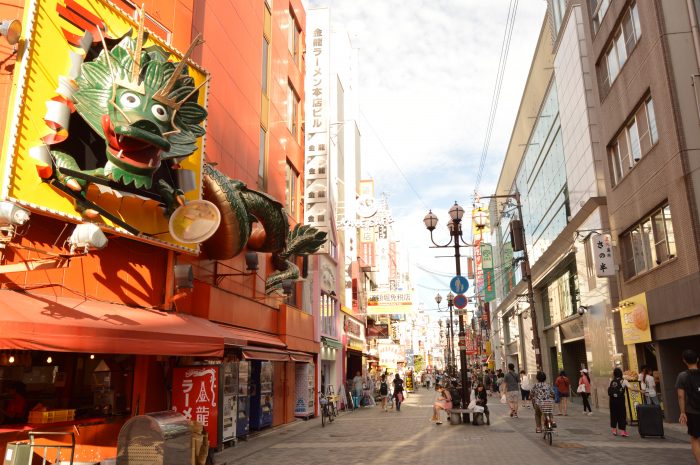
144	111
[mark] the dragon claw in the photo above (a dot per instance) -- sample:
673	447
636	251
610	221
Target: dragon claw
74	185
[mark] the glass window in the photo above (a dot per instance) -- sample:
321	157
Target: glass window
621	50
599	8
291	178
613	67
294	37
635	21
261	157
624	39
292	110
648	244
265	60
633	139
651	118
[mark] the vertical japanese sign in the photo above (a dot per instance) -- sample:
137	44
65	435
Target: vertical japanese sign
316	194
368	238
487	267
479	280
196	396
602	255
508	271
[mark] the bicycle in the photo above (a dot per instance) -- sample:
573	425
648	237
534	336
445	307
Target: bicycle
548	421
326	409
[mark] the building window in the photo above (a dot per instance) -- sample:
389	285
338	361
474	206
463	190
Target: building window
294	37
598	9
630	145
292	110
265	61
292	180
649	243
262	156
624	40
558	10
328	314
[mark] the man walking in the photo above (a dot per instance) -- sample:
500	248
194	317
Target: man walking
688	388
512	390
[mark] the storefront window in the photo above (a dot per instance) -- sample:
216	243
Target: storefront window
91	385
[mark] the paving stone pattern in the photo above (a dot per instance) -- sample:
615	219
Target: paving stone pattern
370	436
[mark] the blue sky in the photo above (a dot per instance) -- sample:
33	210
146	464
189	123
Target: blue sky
427	72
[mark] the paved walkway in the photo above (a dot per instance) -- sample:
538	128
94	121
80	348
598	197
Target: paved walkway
407	437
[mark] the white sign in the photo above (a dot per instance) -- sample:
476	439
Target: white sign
603	255
317	174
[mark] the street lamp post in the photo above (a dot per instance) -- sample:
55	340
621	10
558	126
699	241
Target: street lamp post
456	241
527	277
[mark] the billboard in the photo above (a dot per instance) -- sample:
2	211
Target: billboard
103	124
389	302
634	318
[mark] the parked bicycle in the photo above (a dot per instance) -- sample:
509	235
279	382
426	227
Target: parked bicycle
327	409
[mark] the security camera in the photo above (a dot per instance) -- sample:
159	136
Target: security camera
582	309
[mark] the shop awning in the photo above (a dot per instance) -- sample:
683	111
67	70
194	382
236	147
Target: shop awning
242	337
301	357
260	353
332	343
42	322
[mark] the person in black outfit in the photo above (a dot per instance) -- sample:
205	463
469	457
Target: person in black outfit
481	396
398	391
618	414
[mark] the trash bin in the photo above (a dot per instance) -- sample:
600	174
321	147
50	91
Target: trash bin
160	438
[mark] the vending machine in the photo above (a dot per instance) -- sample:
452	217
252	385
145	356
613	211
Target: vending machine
261	395
229	408
243	399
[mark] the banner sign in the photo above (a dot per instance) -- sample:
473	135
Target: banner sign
508	272
634	319
479	279
196	396
602	255
487	267
389	302
378	330
316	190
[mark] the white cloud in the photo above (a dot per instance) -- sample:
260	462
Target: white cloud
427	72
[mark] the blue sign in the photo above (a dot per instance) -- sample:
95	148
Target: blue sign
461	301
459	284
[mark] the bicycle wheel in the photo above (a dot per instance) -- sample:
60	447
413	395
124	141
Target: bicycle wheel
548	437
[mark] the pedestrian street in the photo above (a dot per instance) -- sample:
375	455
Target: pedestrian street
370	436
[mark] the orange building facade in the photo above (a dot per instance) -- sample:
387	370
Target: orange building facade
102	333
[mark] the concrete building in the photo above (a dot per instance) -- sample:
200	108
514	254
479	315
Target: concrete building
553	162
644	62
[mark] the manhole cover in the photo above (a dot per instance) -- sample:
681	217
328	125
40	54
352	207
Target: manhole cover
568	445
580	431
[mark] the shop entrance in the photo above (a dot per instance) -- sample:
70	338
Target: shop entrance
354	364
574	358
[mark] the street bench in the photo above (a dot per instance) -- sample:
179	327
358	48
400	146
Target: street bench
455	415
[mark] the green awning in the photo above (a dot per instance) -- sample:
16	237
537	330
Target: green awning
332	343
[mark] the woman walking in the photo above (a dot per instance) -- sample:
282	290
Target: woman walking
398	391
384	392
584	388
525	388
618	415
563	386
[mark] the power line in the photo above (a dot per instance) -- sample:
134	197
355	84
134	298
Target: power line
398	168
502	61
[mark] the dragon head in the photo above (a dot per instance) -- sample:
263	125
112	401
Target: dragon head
144	107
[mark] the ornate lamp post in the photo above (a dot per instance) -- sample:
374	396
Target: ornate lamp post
518	231
456	241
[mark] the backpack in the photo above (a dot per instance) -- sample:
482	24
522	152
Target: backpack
692	389
616	389
383	388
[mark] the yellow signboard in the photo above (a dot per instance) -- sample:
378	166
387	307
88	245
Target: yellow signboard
45	118
389	302
634	319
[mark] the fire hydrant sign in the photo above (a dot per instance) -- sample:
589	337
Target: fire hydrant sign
196	396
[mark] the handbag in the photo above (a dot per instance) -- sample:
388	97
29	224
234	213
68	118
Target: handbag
581	388
478	409
472	404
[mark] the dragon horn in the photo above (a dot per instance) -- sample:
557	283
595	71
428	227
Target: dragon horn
136	63
165	91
